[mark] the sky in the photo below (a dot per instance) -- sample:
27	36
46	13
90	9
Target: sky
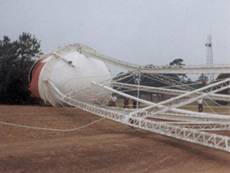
138	31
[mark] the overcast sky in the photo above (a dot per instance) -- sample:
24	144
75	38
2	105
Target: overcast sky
139	31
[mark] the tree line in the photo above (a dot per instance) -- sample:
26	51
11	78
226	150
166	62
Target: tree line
16	58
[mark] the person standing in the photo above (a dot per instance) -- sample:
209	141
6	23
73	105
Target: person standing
126	102
200	105
114	101
134	104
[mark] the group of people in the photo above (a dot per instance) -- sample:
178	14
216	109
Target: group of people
113	102
135	104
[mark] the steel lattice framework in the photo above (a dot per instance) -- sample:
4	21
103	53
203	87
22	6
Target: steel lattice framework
195	94
166	117
173	92
187	134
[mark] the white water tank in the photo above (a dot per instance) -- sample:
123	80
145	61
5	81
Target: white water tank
72	73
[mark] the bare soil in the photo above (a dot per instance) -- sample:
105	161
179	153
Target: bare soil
105	147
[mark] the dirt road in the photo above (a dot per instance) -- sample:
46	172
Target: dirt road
103	147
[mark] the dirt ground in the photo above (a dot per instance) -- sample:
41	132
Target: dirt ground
104	147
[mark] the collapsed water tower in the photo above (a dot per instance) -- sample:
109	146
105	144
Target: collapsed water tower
72	73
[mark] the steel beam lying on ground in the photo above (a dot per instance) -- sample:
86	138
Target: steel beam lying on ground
199	123
206	126
219	97
169	116
178	112
171	103
190	135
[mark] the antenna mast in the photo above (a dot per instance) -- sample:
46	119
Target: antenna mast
209	56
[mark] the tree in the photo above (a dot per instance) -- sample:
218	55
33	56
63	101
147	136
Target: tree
177	62
16	58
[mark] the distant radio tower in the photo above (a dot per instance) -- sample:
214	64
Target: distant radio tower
209	58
